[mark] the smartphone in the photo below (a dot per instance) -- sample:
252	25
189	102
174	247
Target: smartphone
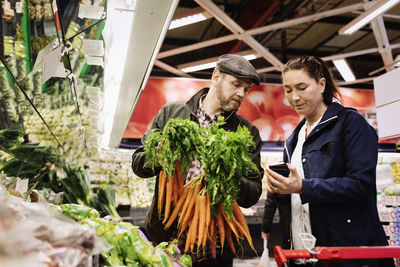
280	168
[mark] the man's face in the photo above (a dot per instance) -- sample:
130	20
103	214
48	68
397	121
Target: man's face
231	91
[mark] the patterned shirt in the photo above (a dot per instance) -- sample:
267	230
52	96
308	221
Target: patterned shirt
205	121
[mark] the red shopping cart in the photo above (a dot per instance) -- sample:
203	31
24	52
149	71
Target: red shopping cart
333	254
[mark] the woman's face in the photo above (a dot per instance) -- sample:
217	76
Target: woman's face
303	92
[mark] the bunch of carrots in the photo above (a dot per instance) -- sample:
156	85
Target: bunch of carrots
192	211
201	207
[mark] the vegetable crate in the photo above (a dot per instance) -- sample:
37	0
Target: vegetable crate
333	254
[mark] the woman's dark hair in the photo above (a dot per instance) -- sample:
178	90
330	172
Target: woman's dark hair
316	69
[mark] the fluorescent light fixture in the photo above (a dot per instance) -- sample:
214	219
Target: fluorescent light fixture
377	9
187	20
130	53
211	64
119	23
344	70
250	57
200	67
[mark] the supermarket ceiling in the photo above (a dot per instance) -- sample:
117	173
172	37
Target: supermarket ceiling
274	31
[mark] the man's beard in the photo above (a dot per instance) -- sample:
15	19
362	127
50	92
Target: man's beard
227	107
224	103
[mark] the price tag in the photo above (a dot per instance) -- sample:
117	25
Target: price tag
384	216
93	47
90	12
94	60
19	7
390	200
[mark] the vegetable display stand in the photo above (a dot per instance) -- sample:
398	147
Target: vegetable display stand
333	254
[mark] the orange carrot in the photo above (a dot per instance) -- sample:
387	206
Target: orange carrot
188	239
201	202
229	221
239	228
177	209
188	199
190	183
186	223
168	198
207	220
237	212
175	192
213	239
221	228
228	235
191	203
208	211
195	223
161	189
205	236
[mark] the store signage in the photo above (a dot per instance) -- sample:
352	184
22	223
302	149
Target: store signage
265	106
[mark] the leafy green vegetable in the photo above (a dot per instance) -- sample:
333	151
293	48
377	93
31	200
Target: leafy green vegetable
226	160
10	136
185	261
104	201
79	212
179	140
76	186
223	154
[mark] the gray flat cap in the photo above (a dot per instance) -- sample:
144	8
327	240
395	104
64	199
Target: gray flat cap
237	66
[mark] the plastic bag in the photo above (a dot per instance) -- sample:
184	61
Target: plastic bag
264	260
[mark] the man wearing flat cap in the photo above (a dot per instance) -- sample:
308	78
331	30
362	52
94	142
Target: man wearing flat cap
230	82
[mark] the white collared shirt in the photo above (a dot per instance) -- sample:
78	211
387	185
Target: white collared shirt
300	222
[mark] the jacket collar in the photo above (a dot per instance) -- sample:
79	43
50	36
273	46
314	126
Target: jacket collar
193	103
330	116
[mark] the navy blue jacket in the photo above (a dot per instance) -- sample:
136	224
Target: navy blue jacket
339	161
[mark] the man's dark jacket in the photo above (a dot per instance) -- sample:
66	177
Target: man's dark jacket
250	186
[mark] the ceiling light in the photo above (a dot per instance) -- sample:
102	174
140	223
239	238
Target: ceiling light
210	65
200	67
250	57
344	70
376	10
187	20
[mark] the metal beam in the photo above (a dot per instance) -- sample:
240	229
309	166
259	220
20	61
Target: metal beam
382	40
238	31
361	52
272	27
171	69
305	19
215	59
363	80
260	20
188	48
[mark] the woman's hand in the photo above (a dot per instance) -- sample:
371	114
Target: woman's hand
277	183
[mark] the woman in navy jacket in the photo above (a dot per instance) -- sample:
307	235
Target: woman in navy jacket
332	156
